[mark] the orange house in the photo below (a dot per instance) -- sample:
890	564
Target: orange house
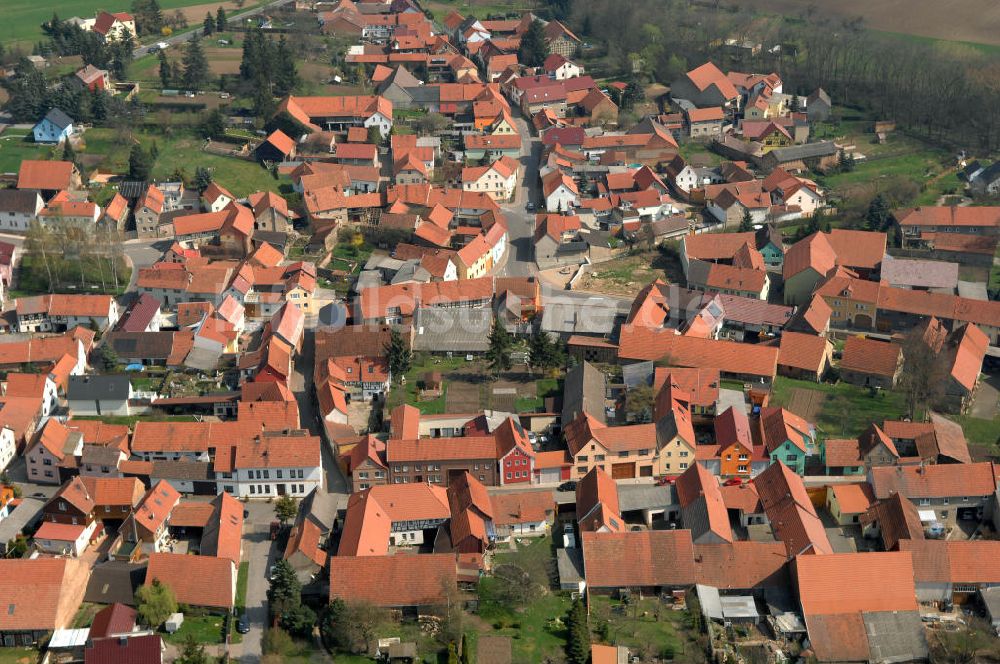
735	460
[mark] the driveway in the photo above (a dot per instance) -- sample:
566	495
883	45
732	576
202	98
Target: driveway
985	404
260	552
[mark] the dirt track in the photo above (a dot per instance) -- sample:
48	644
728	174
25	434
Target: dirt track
958	20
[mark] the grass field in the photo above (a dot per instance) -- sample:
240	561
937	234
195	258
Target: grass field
74	276
182	150
18	656
23	18
846	410
18	145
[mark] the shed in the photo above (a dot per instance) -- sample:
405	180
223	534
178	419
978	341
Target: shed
726	608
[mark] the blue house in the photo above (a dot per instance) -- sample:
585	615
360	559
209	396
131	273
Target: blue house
55	127
770	246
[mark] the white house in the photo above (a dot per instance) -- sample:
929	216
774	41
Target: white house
560	68
377	119
270	466
55	127
18	208
8	447
113	27
560	192
64	538
499	179
689	178
216	198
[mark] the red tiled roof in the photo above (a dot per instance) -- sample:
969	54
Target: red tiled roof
639	559
40	594
871	356
950	216
813	252
195	580
934	481
47	175
640	343
803	351
741	565
956	562
707	75
853	498
717	246
840	583
393	581
857	249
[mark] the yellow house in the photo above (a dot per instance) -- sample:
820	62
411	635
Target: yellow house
475	259
302	298
638	450
503	124
775	136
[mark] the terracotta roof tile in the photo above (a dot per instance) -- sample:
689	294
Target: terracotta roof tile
840	583
934	481
393	581
639	559
871	356
196	580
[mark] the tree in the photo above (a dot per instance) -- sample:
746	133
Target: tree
398	355
214	125
192	653
925	371
202	178
533	49
155	603
430	123
374	135
578	643
350	627
544	352
166	73
845	163
452	653
276	641
140	163
879	213
285	591
498	354
466	654
27	91
208	25
746	223
286	75
639	403
220	19
286	509
298	620
195	65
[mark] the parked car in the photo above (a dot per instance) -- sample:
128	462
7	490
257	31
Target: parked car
568	486
242	626
530	207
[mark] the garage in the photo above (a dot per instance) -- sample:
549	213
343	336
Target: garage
623	471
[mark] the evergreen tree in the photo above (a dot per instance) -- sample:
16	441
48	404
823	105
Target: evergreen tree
286	77
208	25
69	154
166	74
193	653
285	590
578	644
845	163
879	213
140	163
533	49
498	354
466	654
374	135
543	352
214	125
27	92
452	654
220	19
398	355
195	65
202	178
99	106
746	223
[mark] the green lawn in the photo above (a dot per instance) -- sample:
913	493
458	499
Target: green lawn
544	387
85	615
15	147
23	18
979	431
180	152
847	409
644	623
18	656
421	365
204	629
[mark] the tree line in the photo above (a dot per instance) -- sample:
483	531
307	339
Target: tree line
946	92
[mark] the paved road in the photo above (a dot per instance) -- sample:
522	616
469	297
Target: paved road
260	552
184	36
520	222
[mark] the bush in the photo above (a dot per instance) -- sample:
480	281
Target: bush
277	642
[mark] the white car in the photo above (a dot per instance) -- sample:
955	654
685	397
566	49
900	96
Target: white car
162	45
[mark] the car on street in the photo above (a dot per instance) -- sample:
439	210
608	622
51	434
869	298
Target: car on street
38	494
530	207
246	514
242	626
568	486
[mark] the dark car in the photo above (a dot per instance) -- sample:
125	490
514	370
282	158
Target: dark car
242	626
39	495
246	514
568	486
530	206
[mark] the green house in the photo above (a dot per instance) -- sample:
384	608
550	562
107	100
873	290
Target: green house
787	438
769	244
